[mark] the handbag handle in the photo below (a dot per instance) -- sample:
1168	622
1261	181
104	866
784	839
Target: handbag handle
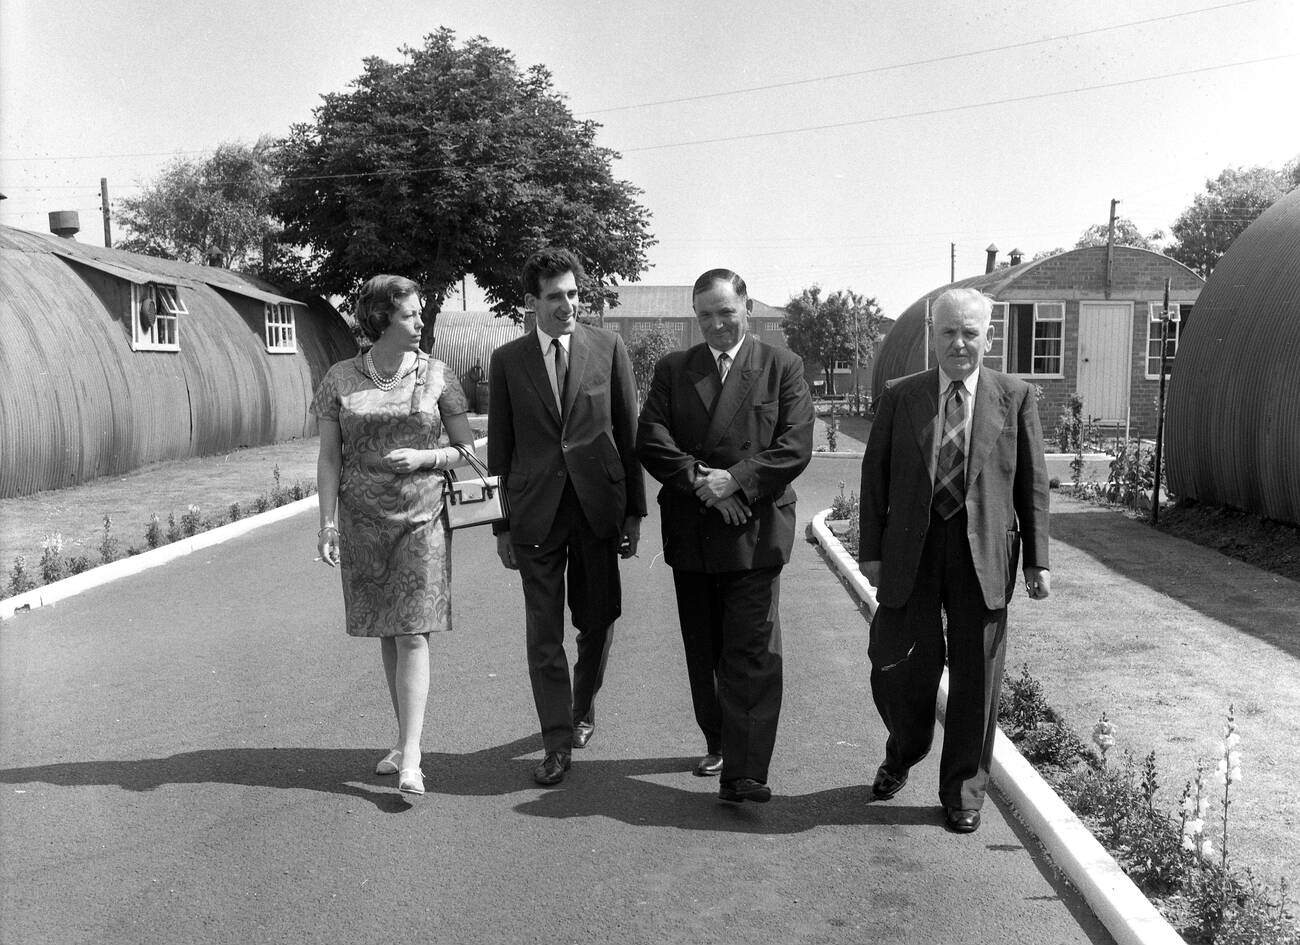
472	459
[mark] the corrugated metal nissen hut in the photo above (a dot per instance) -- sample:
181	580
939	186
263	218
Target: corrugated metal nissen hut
113	360
1233	425
1086	320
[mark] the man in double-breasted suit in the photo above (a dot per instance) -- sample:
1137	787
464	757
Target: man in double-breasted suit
561	434
954	483
726	427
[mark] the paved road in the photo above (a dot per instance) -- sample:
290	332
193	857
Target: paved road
186	758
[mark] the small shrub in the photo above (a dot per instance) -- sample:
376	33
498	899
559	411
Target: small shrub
173	530
278	494
108	544
19	580
191	519
261	504
833	429
234	512
1054	483
153	533
78	564
297	492
53	567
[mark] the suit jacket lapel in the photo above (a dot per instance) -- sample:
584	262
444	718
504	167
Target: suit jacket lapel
702	372
986	424
579	352
536	371
735	391
923	407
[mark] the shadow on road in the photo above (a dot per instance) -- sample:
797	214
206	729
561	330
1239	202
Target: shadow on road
1251	600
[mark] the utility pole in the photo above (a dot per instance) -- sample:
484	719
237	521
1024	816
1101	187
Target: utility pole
108	220
1110	243
464	298
952	262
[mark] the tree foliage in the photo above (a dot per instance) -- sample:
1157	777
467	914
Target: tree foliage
1218	215
646	349
828	329
455	161
1126	234
216	205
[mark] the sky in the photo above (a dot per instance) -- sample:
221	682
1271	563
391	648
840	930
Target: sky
845	144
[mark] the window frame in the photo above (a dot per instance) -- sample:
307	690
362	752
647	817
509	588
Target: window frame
280	327
1153	336
169	307
1037	341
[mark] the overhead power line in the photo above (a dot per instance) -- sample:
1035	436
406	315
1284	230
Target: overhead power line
705	96
961	108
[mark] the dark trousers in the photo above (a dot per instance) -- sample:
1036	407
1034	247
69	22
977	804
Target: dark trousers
907	651
731	629
595	600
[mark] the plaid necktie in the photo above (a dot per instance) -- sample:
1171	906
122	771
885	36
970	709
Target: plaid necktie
724	365
561	371
950	474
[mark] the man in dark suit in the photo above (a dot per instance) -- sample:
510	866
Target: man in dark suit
561	434
954	480
726	427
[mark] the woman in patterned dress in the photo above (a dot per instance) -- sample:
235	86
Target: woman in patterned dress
381	415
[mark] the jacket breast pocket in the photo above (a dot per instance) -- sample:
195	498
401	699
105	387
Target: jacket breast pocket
764	423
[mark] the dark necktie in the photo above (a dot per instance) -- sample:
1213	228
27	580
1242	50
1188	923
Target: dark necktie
724	365
561	371
950	474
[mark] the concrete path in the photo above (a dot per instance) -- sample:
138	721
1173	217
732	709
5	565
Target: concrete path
185	756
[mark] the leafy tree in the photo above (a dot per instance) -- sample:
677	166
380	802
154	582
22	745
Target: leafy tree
452	162
1126	234
827	329
646	349
216	205
1230	203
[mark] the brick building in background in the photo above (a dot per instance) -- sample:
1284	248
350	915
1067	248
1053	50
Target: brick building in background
1085	321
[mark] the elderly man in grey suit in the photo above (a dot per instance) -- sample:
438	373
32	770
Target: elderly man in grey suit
954	482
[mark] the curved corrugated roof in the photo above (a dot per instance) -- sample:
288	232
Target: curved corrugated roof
903	350
1233	422
465	339
77	402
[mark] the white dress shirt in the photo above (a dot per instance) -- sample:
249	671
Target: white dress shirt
548	358
968	408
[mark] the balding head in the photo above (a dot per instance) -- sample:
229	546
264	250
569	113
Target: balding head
960	330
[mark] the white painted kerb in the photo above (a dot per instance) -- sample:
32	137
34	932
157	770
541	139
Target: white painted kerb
1127	914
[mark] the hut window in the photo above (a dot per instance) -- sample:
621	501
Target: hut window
1035	337
281	330
996	356
1184	310
155	317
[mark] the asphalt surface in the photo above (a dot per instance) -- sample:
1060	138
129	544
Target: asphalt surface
186	756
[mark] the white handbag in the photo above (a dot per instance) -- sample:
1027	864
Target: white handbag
479	501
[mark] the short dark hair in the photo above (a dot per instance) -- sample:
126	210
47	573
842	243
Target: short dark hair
547	264
377	300
714	276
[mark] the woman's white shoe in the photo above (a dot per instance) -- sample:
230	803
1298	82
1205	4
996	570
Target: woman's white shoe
411	781
390	762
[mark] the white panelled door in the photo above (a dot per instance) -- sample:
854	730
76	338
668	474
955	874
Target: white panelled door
1105	353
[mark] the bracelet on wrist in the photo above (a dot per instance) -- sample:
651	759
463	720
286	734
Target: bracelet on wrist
327	528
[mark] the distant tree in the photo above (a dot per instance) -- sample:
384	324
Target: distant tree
220	204
645	351
454	162
827	329
1044	253
1126	234
1230	203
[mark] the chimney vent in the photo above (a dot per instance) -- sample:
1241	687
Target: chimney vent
1017	257
991	263
215	259
65	223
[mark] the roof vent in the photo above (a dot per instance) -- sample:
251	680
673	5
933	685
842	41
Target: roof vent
992	261
1017	257
216	259
65	223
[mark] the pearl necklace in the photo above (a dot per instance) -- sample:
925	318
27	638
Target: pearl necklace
380	381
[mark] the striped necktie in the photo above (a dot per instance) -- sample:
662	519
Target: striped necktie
950	473
724	365
561	371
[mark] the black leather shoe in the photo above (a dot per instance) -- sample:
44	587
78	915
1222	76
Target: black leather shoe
744	789
582	732
552	768
961	821
887	784
710	766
